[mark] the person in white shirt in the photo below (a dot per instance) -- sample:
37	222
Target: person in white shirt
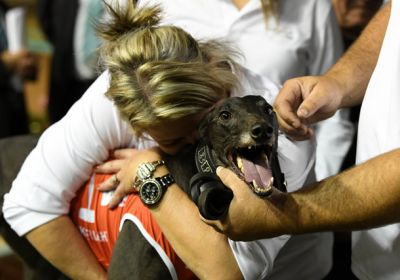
297	38
158	78
364	197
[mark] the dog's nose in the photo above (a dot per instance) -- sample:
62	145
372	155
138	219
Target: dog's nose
261	132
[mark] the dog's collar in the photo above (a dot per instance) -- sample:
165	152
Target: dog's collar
203	159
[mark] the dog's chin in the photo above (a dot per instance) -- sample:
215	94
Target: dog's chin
252	164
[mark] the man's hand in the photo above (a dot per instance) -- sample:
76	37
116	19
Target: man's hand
250	217
304	101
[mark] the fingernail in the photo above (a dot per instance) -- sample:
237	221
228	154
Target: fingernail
303	113
296	124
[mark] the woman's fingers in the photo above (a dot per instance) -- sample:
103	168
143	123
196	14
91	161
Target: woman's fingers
117	197
111	166
121	186
126	162
124	153
119	159
110	184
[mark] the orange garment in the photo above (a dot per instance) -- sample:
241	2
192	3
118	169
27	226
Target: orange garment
100	225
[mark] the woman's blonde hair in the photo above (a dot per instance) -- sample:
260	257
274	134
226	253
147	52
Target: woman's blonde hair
270	9
160	73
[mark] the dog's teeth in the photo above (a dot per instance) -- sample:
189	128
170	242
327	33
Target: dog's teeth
255	185
271	182
239	163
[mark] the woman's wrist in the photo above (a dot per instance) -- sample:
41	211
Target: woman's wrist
149	156
152	179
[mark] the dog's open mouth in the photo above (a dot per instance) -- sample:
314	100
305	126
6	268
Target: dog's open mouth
254	166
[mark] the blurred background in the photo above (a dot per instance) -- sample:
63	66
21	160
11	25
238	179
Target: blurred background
36	92
36	100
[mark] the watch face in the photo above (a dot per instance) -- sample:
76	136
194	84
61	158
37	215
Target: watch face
150	192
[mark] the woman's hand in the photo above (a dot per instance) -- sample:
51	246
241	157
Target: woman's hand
124	164
119	158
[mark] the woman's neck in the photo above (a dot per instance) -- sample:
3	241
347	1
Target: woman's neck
240	3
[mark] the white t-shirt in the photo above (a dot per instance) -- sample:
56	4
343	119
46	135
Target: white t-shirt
68	150
305	41
376	252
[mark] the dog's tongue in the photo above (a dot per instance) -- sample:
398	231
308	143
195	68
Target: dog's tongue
258	171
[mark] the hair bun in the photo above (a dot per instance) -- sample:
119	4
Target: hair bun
127	18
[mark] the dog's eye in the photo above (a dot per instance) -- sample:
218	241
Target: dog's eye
225	115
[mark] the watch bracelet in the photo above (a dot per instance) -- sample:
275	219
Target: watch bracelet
145	170
166	180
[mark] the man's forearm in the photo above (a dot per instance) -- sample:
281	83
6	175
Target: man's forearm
365	196
61	244
355	67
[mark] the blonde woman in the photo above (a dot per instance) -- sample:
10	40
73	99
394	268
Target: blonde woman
279	40
159	83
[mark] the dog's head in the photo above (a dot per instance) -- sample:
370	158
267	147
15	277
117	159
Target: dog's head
242	134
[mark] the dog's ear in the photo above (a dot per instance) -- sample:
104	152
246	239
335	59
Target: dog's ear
203	127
